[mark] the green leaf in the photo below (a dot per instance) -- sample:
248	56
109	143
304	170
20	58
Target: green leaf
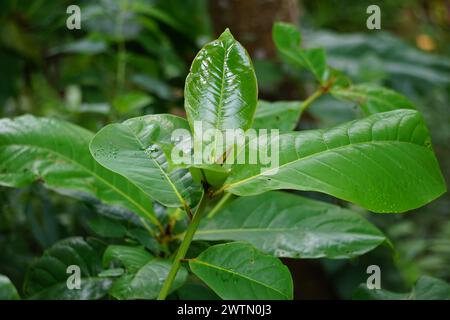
56	153
147	281
221	88
287	225
281	115
7	289
131	101
194	289
140	150
426	288
132	258
288	39
108	228
239	271
384	163
372	98
47	277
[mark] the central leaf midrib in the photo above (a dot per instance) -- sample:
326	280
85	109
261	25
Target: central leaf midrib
219	119
179	196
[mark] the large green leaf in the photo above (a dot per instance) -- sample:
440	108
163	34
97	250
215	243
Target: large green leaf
287	225
385	163
147	281
140	150
426	288
288	39
47	277
372	98
56	153
7	289
281	115
239	271
221	88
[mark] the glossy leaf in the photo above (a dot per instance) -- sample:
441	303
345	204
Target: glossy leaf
47	277
147	281
140	149
221	88
288	40
239	271
426	288
281	115
287	225
384	163
7	289
373	99
56	153
132	258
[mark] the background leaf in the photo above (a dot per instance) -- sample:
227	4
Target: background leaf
132	258
426	288
288	39
47	277
7	289
372	98
56	153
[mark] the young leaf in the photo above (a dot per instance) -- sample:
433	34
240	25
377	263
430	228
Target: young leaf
288	39
47	277
372	98
426	288
287	225
281	115
140	150
239	271
147	281
221	89
56	153
384	163
7	289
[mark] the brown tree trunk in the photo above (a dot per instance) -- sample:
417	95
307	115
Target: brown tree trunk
251	21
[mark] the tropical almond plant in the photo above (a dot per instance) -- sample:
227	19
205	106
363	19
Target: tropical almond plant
218	229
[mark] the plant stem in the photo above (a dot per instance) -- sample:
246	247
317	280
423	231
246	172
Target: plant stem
219	205
310	100
184	246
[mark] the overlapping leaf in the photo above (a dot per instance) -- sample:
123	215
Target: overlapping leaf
140	150
239	271
372	98
287	225
281	115
147	281
385	163
47	277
